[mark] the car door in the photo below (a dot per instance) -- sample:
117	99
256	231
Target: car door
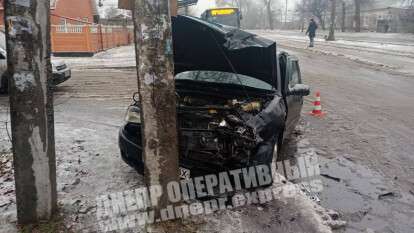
291	77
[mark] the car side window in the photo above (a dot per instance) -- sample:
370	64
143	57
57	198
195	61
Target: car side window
2	57
295	75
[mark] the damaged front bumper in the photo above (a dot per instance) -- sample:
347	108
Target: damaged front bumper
208	146
197	162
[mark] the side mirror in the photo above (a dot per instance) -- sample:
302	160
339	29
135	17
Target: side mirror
299	90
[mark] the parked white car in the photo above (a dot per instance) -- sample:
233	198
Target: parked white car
61	71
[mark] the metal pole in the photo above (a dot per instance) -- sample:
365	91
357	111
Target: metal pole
31	104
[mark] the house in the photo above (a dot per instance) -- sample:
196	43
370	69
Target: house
382	16
67	11
75	28
389	19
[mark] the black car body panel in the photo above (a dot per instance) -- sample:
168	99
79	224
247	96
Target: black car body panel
199	45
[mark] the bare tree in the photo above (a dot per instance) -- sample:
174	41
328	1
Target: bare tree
343	17
318	8
357	17
331	36
301	8
269	13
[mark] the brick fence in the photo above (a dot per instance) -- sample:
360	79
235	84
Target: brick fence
88	39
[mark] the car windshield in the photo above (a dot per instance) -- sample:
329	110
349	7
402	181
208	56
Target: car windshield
223	78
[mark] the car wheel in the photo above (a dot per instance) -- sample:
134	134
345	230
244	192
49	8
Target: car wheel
4	85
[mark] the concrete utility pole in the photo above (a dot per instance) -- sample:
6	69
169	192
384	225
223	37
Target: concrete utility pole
157	93
331	36
31	104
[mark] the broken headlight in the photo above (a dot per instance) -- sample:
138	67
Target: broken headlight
133	115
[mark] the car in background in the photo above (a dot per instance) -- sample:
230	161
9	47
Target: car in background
61	71
237	100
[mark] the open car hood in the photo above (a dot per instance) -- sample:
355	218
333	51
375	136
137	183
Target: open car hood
200	45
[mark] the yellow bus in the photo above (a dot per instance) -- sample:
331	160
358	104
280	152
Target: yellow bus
229	16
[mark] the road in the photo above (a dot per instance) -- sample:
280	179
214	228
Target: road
367	137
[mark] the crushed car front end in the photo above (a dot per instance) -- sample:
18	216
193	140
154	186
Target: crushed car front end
230	109
221	125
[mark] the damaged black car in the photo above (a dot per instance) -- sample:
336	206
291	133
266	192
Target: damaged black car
237	99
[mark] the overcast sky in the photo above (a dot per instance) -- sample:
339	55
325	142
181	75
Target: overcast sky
198	9
205	4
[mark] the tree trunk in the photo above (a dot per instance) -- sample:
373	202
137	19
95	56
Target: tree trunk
357	15
321	20
31	104
343	21
286	12
302	16
156	86
331	36
269	14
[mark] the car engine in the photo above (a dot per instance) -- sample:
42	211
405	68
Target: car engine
214	130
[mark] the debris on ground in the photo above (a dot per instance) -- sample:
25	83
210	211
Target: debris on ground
388	195
331	177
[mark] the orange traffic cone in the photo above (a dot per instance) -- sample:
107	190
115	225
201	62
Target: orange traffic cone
317	108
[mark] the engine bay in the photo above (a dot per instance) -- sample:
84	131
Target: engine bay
215	130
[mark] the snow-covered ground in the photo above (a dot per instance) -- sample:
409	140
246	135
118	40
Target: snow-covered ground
393	52
120	57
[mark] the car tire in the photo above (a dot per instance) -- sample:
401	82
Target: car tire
4	85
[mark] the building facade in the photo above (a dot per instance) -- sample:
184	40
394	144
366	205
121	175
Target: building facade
75	28
390	19
67	11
